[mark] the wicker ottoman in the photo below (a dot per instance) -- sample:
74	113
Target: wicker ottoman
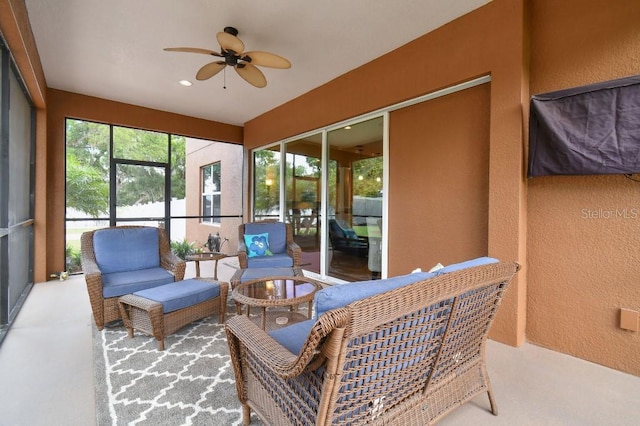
162	310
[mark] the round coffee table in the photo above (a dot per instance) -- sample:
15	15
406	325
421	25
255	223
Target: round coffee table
277	292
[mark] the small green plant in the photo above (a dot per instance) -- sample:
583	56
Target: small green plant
73	259
183	248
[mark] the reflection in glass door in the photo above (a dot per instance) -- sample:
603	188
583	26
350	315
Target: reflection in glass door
303	196
355	210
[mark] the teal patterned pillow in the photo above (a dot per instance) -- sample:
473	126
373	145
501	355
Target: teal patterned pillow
257	245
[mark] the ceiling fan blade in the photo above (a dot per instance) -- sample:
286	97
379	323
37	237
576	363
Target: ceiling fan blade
210	70
193	50
266	59
251	74
230	42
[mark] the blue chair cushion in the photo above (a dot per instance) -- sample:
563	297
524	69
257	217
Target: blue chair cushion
126	249
280	260
257	245
120	283
293	336
181	294
277	234
255	273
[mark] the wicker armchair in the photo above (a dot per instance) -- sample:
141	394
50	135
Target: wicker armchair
104	295
407	356
288	255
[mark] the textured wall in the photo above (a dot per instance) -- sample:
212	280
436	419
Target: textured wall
489	40
584	232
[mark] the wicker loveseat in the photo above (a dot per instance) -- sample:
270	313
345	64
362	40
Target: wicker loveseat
122	260
406	353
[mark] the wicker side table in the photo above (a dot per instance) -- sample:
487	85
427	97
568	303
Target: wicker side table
203	257
147	315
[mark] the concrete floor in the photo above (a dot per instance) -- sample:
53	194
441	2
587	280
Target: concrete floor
46	372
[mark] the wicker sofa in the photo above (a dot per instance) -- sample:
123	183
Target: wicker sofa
402	351
122	260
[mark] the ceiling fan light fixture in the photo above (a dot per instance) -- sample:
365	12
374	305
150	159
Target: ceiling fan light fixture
233	55
185	83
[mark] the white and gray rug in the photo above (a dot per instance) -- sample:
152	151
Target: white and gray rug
190	383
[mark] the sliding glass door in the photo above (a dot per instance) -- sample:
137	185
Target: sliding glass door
355	213
330	189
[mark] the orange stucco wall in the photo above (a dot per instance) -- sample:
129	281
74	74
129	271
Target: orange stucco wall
439	181
489	40
584	232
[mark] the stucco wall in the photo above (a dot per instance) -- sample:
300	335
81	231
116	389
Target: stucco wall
488	41
200	153
584	232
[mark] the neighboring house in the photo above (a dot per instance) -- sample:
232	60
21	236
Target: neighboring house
457	185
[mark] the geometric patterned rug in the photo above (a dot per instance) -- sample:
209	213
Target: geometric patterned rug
191	382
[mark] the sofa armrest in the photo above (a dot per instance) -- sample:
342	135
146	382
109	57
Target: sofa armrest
243	332
295	252
242	254
173	264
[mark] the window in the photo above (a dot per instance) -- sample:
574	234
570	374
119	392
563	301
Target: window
211	193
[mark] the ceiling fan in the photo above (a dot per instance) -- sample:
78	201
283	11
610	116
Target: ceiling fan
232	54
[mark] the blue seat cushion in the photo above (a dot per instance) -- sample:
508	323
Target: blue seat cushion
255	273
277	234
275	261
120	283
293	336
126	249
181	294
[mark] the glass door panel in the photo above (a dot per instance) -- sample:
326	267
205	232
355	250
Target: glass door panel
303	196
266	183
354	225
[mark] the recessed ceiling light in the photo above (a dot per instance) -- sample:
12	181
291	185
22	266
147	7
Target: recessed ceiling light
185	83
347	128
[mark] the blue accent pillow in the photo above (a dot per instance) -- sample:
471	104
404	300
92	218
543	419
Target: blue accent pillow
257	245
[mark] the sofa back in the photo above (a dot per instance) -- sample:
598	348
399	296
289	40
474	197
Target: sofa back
126	249
342	294
425	339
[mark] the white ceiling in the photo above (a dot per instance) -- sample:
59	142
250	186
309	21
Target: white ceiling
114	49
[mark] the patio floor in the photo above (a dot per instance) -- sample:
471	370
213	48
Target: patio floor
46	372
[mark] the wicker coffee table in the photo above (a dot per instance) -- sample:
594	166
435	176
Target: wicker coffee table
277	292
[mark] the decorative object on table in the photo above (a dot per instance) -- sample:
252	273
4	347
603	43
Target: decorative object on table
232	54
213	243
